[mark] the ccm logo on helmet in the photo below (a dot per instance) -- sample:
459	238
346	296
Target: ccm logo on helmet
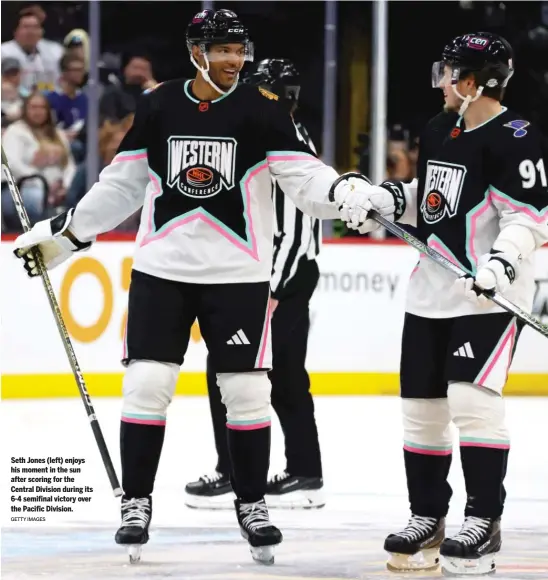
477	43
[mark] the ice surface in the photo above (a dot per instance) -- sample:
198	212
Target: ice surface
365	488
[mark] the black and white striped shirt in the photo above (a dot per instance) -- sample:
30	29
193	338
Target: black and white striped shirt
297	236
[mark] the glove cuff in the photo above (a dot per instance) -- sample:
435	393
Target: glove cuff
344	177
66	239
397	191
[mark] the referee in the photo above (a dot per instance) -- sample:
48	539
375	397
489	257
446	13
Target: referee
295	276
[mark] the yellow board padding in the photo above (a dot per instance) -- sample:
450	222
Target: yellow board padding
190	383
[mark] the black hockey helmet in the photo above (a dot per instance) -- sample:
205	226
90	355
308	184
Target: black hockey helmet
488	56
216	27
279	76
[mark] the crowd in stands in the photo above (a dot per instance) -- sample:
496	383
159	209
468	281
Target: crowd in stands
44	116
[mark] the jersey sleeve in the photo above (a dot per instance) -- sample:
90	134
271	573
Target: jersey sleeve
518	188
120	190
303	177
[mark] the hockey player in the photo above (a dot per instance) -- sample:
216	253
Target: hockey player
199	160
294	279
481	199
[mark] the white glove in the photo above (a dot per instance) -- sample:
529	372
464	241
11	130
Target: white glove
355	201
52	239
496	272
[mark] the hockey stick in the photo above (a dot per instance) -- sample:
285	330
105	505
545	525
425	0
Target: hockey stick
510	307
25	223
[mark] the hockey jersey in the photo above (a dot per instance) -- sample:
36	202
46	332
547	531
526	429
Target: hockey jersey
471	185
201	171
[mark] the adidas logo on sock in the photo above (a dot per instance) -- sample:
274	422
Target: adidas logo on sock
238	338
464	351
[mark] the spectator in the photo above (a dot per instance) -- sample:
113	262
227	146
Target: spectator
70	103
76	43
39	57
12	101
119	100
36	148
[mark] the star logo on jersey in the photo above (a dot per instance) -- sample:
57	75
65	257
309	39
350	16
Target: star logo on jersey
442	190
200	186
519	127
201	167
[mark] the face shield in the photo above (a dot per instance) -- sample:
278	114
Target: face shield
445	75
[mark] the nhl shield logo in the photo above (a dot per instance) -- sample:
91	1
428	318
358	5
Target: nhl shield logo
442	190
200	167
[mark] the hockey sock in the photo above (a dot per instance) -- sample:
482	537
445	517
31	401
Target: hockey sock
484	471
429	491
250	459
140	446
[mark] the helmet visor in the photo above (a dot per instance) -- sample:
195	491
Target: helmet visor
444	74
219	52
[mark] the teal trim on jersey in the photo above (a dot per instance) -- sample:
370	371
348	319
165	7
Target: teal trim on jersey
428	447
249	243
471	227
133	152
195	100
450	256
514	202
503	110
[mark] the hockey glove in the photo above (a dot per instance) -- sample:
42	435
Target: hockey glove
496	272
53	240
387	199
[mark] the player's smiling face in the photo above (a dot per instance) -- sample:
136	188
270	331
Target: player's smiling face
225	62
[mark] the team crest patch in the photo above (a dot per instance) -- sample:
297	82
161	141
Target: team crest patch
268	94
146	91
201	167
519	127
442	190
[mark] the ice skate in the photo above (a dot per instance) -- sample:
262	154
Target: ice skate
293	492
473	550
256	528
210	492
133	533
417	546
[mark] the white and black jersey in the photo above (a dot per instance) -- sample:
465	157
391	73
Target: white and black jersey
201	171
297	238
472	184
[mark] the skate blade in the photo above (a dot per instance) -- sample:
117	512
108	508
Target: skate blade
428	559
134	553
219	502
300	499
263	555
484	566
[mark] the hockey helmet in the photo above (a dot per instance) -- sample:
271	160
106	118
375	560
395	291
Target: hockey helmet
279	76
489	57
216	27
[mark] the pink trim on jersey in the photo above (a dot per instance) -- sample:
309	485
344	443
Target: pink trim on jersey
441	249
264	338
538	218
303	157
248	427
135	157
473	228
414	271
253	251
422	451
510	335
156	422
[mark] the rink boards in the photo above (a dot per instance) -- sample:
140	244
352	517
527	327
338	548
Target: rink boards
354	347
